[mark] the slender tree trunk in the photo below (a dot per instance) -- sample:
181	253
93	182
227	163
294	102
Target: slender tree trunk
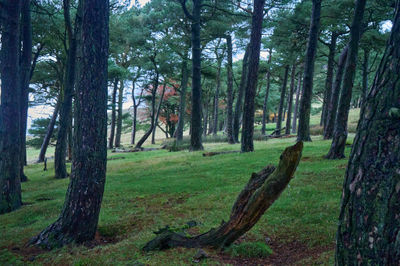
205	118
368	232
290	99
195	137
182	99
296	106
25	68
134	115
229	113
216	96
10	183
365	76
305	103
265	105
329	77
153	137
251	81
80	214
333	103
282	101
340	131
119	117
49	133
66	106
239	101
113	114
70	139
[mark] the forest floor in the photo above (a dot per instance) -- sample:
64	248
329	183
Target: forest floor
146	191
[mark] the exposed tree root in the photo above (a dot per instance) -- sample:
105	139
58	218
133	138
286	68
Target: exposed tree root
260	192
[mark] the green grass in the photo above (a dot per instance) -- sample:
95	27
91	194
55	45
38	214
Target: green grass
148	190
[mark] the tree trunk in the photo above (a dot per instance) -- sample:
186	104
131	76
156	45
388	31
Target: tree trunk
80	214
239	101
305	103
329	77
25	69
216	96
66	106
134	115
205	117
251	80
333	103
113	114
153	137
182	99
10	183
282	100
229	113
265	105
195	137
290	99
296	106
49	133
119	117
368	231
70	140
261	191
365	76
340	132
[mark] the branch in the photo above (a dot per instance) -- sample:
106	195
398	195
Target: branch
187	13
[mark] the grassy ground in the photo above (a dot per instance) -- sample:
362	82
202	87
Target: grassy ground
148	190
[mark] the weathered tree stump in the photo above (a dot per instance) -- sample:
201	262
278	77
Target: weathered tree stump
260	192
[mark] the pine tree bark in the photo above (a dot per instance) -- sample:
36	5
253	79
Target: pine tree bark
365	67
25	69
78	220
10	183
259	194
216	95
333	103
49	133
303	133
290	99
65	112
329	76
182	99
251	80
340	131
265	104
113	114
119	117
282	100
229	112
296	106
239	101
368	231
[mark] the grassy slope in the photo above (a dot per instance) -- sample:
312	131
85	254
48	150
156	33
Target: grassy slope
146	191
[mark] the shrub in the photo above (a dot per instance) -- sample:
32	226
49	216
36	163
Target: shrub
250	250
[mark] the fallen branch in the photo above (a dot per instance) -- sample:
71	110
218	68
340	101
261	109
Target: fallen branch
277	132
117	150
284	136
209	154
260	192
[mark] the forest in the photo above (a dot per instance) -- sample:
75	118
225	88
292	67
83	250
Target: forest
209	132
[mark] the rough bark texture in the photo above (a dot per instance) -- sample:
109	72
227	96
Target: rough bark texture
25	69
333	103
118	131
239	100
113	114
290	99
340	131
10	183
79	217
282	99
265	105
305	103
296	106
68	91
182	99
251	80
365	66
369	225
259	194
329	76
49	133
229	112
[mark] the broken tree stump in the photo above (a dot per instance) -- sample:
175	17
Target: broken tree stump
260	192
